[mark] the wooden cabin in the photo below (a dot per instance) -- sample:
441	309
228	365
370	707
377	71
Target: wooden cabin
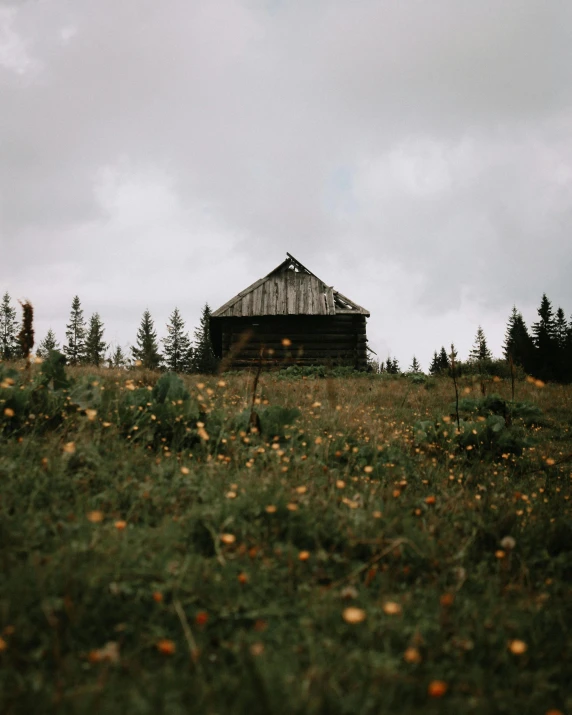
290	317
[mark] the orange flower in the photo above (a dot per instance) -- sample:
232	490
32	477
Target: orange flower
391	608
430	500
157	596
228	538
412	655
9	412
69	448
257	649
437	688
95	516
353	615
185	470
270	509
304	555
3	644
517	647
201	618
166	646
447	600
242	578
120	525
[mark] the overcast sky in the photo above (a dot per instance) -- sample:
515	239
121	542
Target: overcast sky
416	155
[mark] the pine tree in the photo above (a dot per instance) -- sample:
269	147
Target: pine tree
434	367
48	344
75	334
544	332
178	351
147	350
518	344
415	366
480	351
204	359
444	362
8	330
395	366
94	346
118	359
26	334
560	336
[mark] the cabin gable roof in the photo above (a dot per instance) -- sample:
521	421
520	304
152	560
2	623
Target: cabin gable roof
289	289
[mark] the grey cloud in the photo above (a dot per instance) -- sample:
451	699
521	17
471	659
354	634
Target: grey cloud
421	143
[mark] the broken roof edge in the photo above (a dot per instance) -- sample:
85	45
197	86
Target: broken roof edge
354	307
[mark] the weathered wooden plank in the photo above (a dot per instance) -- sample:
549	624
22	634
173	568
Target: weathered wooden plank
291	282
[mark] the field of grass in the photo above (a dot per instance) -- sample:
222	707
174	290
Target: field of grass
356	554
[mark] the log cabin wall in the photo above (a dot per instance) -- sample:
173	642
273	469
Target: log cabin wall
292	340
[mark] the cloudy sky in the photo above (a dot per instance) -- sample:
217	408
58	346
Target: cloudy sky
416	155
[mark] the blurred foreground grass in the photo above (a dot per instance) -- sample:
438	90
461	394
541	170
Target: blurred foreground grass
355	556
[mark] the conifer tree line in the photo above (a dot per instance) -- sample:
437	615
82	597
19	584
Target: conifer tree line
85	342
544	351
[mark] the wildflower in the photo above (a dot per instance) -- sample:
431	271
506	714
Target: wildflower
257	649
228	538
69	448
242	578
500	554
95	517
109	653
353	615
185	470
391	608
412	655
91	414
120	525
9	412
157	596
230	495
166	646
3	644
508	543
286	342
201	618
447	600
270	509
340	484
301	490
437	688
304	555
430	500
368	469
517	647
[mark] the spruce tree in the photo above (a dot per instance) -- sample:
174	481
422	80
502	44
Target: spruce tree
48	344
204	359
560	335
444	362
178	352
544	336
147	350
94	346
8	330
75	333
434	367
518	344
26	334
118	359
415	366
480	351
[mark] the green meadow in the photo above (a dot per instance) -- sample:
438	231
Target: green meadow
339	544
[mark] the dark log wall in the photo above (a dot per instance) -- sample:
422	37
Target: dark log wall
314	340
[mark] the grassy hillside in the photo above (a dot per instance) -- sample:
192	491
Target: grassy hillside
357	554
